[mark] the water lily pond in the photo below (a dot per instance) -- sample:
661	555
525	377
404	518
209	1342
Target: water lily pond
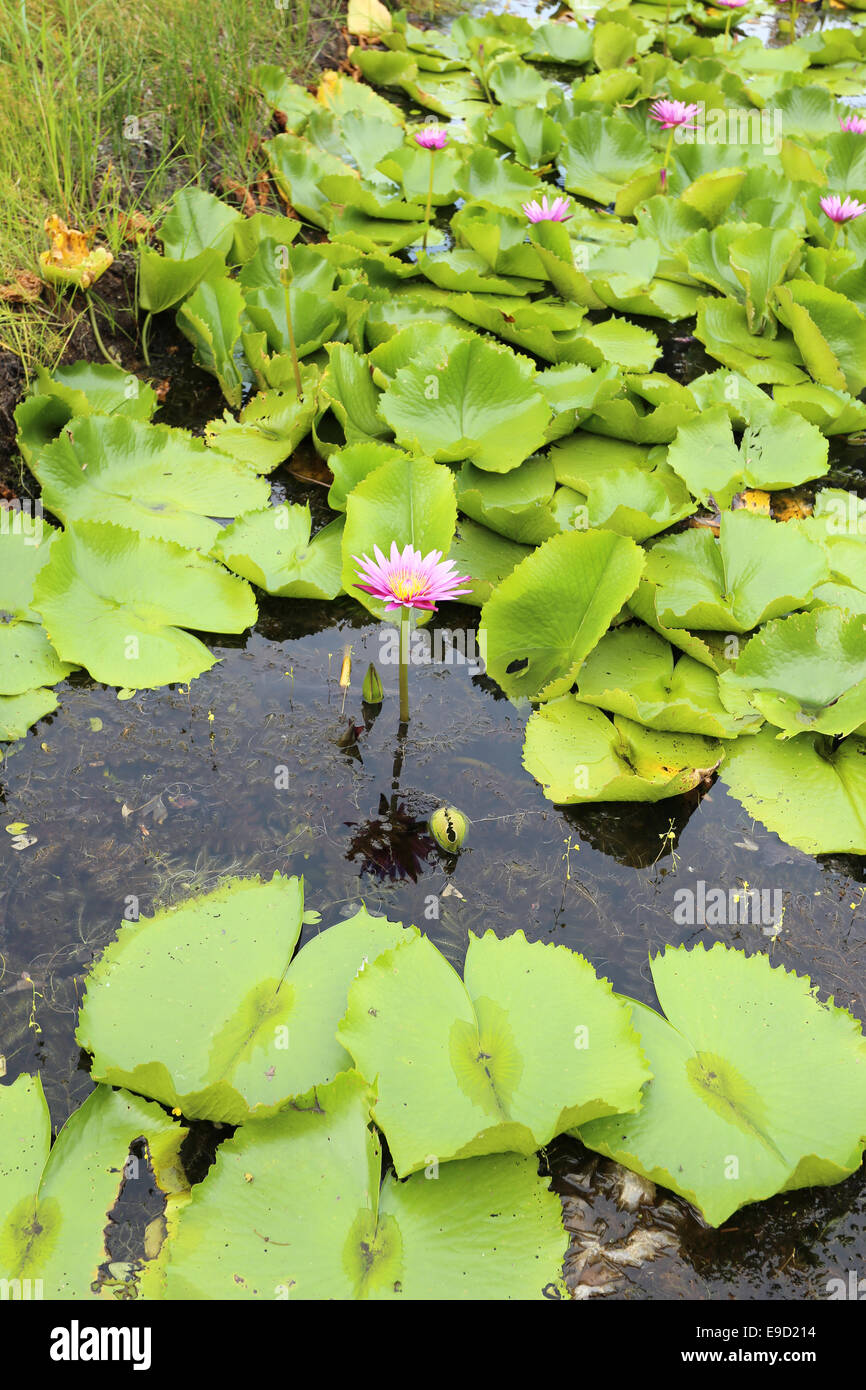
499	896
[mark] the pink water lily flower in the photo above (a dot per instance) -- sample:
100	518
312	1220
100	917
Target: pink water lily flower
432	137
674	113
855	123
410	580
557	211
839	211
730	4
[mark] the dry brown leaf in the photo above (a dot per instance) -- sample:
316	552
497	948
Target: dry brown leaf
24	289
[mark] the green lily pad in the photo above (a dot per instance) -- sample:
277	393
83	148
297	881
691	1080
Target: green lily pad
255	1026
779	449
830	332
18	713
27	658
157	481
269	428
114	602
196	236
632	672
725	1121
487	1228
805	673
485	557
822	807
56	1203
723	328
464	1068
516	504
757	569
579	755
546	617
600	153
481	404
272	548
211	319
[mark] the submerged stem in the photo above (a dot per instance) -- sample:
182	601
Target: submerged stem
404	667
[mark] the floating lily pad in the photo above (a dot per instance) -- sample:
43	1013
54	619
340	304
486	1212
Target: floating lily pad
579	755
158	482
465	1068
757	1087
779	449
272	548
486	1228
546	617
56	1204
481	404
805	673
632	672
116	603
757	569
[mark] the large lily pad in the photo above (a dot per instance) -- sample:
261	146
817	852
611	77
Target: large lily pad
293	1209
805	673
56	1204
27	658
810	790
632	672
579	755
479	403
116	603
778	449
550	612
157	481
495	1063
272	548
757	569
757	1087
252	1026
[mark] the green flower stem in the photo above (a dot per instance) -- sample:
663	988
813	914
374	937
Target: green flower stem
728	30
404	666
665	34
668	155
793	21
832	246
109	357
292	349
429	202
145	333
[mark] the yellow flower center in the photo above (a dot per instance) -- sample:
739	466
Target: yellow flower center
406	584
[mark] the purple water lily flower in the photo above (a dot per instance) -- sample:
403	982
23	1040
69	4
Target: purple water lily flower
839	211
432	137
674	113
557	211
408	579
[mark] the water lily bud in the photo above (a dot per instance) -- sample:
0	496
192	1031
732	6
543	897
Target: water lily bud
449	827
371	691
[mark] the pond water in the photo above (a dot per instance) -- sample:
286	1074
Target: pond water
135	804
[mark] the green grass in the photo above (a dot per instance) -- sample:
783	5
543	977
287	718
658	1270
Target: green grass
109	105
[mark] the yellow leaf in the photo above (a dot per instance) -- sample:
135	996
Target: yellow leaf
367	19
71	261
753	500
16	827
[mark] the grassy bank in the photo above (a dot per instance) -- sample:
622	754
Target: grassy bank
109	107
